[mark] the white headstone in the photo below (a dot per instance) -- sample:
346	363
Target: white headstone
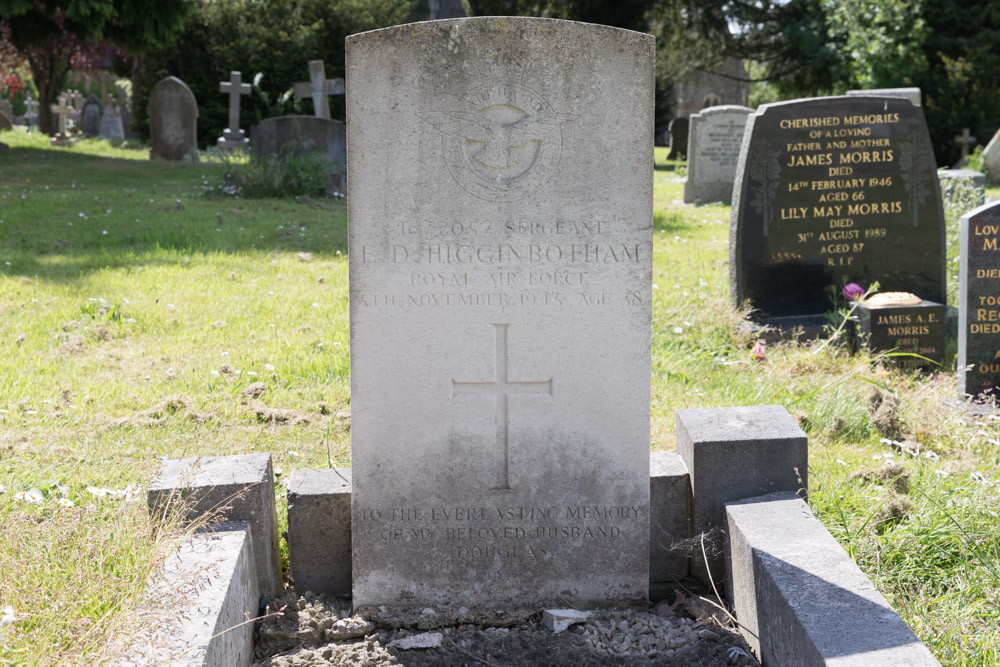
62	112
714	139
500	312
991	157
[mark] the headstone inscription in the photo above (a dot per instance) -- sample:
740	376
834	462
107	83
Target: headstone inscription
173	120
979	304
714	139
305	135
233	137
91	116
62	112
678	128
490	466
319	88
912	94
834	190
906	324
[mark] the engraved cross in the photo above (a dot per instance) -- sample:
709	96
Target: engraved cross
501	388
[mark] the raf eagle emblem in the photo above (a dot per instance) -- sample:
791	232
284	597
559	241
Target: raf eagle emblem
504	149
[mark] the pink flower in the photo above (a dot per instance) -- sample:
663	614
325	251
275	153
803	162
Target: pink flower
758	351
853	291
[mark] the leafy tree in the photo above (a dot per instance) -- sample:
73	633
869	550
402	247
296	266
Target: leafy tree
269	43
55	35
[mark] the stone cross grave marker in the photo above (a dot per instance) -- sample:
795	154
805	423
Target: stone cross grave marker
965	140
62	112
979	304
319	88
233	137
714	139
833	190
500	312
173	120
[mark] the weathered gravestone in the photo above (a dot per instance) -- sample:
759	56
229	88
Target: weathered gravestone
500	312
111	124
979	304
991	157
91	116
6	116
678	129
834	190
233	137
305	135
965	188
173	120
714	139
31	112
912	94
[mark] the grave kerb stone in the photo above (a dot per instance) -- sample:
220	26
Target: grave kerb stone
319	530
479	402
799	598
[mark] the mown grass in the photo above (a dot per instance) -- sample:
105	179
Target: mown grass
120	348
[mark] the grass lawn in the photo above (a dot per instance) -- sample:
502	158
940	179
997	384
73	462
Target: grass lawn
138	306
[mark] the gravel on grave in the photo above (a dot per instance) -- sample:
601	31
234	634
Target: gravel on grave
318	631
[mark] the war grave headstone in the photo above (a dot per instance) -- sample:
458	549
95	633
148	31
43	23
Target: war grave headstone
678	128
830	191
90	116
714	139
62	113
979	304
305	135
491	262
233	137
173	120
319	89
912	94
125	111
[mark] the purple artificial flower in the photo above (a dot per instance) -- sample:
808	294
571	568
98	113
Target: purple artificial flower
853	291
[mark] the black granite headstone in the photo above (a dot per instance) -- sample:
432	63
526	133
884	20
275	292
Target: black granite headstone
678	128
917	332
835	190
979	304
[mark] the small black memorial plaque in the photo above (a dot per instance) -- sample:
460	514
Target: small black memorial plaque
979	304
913	329
834	190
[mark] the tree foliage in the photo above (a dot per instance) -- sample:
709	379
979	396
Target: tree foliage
53	36
275	40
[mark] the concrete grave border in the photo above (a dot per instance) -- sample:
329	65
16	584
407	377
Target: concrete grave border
799	598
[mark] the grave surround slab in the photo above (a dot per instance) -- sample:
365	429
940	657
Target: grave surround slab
239	487
491	260
835	190
714	140
979	303
800	599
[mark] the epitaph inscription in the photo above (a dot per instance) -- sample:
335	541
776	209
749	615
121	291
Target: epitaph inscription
500	312
979	304
835	190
